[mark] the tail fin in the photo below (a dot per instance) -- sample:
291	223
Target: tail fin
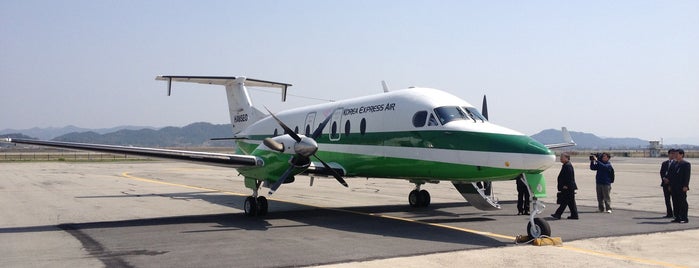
240	105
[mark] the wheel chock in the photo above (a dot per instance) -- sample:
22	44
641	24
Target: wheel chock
541	241
547	241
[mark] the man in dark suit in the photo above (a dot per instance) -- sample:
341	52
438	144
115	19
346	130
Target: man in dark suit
567	187
665	181
679	185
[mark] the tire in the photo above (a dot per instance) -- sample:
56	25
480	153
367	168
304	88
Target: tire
414	199
262	206
250	206
541	228
424	198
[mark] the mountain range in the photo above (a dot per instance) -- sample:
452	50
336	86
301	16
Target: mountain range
200	134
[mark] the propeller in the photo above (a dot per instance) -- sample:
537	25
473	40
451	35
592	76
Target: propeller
305	147
484	111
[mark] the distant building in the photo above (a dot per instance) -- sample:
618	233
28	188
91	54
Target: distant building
655	148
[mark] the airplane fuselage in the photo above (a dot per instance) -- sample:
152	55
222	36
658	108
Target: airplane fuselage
415	134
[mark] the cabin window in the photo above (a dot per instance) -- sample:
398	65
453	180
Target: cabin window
447	114
276	133
420	118
473	112
308	130
334	133
347	128
362	126
296	129
433	121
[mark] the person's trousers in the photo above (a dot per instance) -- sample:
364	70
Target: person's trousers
568	200
679	199
668	203
604	202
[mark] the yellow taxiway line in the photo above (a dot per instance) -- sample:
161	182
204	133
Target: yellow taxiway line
575	249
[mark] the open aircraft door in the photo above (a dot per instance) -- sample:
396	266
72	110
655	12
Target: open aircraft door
310	123
336	124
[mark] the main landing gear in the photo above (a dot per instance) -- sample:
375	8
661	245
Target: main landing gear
255	205
419	198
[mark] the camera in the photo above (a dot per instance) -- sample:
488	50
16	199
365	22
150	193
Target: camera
597	156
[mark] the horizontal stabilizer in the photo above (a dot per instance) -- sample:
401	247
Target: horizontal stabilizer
222	80
568	140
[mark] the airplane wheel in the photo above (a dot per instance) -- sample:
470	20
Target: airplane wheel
250	206
262	206
424	198
413	198
540	228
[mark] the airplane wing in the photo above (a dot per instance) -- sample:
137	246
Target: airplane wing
216	159
568	140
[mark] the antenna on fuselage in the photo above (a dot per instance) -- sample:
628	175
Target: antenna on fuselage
385	87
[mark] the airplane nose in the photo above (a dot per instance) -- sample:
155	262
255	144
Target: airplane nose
538	156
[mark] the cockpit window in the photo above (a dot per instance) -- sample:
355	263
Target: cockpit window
433	121
473	112
419	119
447	114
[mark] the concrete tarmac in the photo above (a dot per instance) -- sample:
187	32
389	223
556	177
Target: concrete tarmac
157	214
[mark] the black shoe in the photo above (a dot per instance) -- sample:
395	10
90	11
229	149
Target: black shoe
526	212
675	220
519	213
684	221
558	217
572	218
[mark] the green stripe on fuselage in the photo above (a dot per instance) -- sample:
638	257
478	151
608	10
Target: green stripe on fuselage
397	167
450	140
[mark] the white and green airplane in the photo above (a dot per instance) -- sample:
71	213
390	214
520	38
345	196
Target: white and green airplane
422	135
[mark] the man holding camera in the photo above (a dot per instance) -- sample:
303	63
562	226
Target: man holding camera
604	179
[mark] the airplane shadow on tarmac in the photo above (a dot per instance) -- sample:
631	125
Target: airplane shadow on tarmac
325	235
322	235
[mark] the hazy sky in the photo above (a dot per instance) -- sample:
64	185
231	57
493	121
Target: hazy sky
613	68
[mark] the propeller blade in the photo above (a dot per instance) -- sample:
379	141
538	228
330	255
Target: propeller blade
335	174
287	130
274	145
281	180
319	130
484	111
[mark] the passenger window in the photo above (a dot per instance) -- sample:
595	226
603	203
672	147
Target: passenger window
420	118
276	133
362	126
308	130
334	134
433	121
296	129
347	128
